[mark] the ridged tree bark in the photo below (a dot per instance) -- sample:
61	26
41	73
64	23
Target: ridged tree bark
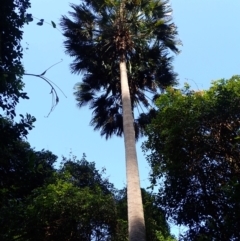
136	224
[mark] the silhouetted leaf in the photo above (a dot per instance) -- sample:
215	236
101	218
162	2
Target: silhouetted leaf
40	23
53	24
29	17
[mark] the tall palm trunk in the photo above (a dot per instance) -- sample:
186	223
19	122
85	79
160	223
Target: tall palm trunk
136	224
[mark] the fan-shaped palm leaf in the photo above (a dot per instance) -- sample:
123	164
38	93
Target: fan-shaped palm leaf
105	36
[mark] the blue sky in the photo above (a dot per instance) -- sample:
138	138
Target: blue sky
210	33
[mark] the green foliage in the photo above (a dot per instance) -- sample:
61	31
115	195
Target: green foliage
18	160
97	38
22	170
195	151
62	211
73	203
61	208
84	174
12	19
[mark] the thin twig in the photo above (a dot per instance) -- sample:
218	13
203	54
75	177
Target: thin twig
55	98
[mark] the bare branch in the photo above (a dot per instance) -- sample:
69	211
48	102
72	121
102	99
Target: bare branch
55	98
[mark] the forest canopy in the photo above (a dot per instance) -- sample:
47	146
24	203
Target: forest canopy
194	145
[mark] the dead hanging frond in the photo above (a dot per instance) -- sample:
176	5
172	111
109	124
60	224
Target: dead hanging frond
53	92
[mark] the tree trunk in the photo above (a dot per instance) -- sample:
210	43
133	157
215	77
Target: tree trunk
136	224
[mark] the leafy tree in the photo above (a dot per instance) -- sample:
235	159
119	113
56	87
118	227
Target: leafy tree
22	170
73	205
12	19
122	49
62	211
78	203
84	174
18	161
195	152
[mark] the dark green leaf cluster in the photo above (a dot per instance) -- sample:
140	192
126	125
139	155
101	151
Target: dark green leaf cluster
40	203
21	168
75	202
12	19
62	211
84	174
195	153
97	38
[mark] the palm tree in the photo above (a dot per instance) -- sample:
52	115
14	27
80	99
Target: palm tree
121	47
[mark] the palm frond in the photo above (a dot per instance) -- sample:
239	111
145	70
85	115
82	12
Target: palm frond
94	38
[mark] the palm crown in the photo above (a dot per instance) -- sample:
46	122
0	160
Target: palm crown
100	34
